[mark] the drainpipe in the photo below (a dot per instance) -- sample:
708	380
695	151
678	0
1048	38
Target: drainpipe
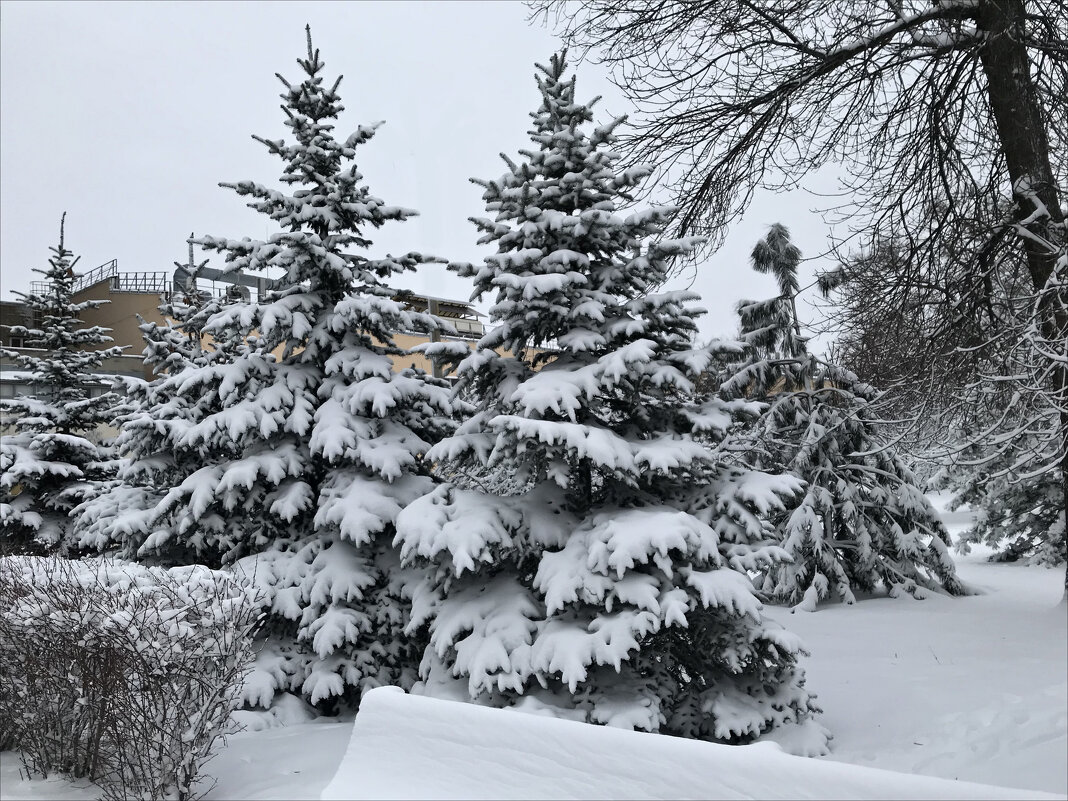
435	336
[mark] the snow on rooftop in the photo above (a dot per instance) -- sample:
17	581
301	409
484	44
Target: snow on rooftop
410	746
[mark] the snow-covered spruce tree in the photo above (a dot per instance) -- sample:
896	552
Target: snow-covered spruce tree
120	514
612	589
53	456
861	521
1021	517
305	444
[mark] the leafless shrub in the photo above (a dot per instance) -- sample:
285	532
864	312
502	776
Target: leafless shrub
123	674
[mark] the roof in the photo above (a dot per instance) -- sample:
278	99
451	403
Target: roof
447	307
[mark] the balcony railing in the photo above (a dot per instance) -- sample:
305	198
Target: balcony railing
147	282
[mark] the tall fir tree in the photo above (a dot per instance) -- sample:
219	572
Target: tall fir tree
606	588
53	456
862	521
302	445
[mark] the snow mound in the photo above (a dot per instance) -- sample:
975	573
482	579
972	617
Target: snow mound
407	746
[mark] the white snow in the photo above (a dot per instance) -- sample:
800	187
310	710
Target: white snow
407	746
293	762
973	687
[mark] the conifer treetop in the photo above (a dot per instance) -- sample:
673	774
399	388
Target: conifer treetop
777	255
559	233
323	215
576	278
328	206
772	327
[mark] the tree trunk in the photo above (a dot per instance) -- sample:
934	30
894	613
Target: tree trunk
585	483
1018	117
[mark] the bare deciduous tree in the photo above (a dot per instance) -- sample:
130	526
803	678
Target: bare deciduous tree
934	110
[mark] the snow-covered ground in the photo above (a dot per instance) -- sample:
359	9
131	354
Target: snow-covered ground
972	689
406	746
963	688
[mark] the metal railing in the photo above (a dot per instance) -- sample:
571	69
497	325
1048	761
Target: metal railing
151	282
105	271
144	281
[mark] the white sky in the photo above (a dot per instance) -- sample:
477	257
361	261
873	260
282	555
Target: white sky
127	115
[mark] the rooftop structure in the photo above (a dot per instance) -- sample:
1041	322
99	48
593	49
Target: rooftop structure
138	294
460	314
140	282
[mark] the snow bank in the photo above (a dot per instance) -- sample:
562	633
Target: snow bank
972	688
406	746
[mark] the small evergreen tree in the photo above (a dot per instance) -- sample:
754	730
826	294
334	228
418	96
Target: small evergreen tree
297	448
120	513
610	585
861	521
54	456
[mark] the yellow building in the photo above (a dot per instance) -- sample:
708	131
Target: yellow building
462	316
139	293
129	294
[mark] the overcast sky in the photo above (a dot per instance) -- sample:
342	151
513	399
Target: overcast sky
128	115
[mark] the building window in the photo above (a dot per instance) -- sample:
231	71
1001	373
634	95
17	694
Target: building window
17	342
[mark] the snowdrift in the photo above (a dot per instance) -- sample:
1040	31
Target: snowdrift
408	746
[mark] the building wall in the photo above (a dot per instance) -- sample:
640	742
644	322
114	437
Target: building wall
14	381
120	315
12	313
